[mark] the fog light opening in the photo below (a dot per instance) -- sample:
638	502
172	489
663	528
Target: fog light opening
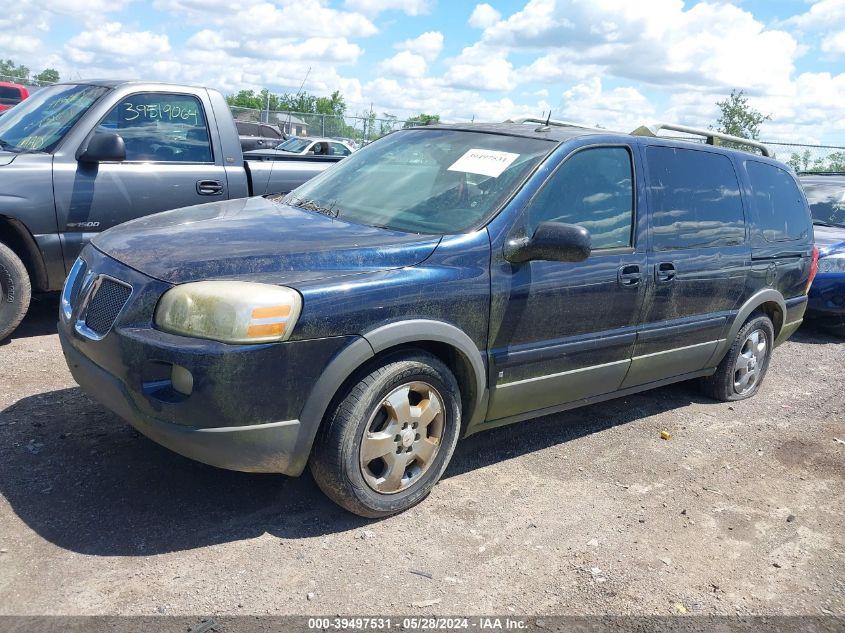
182	380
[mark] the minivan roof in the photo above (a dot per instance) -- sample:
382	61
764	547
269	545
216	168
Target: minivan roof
562	134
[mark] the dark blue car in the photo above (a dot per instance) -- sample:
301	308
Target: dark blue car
826	195
439	282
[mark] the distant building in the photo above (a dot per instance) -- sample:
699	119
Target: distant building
290	124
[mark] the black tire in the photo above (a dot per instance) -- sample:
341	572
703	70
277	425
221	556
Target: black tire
15	291
337	461
723	384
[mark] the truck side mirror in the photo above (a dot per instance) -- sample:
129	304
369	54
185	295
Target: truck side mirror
103	147
552	241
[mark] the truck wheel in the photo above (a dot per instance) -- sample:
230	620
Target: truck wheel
387	442
15	291
743	368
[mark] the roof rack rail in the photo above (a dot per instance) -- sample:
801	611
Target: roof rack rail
549	122
709	135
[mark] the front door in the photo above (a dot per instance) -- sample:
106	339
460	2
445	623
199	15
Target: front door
561	332
698	261
170	163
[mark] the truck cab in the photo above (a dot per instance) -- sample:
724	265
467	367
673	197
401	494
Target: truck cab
79	158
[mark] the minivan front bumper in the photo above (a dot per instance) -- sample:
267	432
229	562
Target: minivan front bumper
269	447
242	405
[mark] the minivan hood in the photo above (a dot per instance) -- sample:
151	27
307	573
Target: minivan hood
829	238
6	158
255	239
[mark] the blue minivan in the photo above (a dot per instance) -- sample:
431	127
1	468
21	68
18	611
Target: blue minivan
441	281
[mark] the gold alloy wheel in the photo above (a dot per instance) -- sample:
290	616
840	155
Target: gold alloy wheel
402	437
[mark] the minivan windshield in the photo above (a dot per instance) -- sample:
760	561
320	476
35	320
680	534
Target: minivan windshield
827	202
434	181
40	122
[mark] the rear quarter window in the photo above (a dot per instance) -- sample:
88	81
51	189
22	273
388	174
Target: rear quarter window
694	199
780	206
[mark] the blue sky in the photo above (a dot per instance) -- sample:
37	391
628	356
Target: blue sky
613	62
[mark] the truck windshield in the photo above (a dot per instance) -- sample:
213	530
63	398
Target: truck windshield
433	181
40	122
295	145
827	203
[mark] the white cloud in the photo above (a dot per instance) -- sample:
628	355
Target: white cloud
834	44
621	108
374	7
113	45
429	45
404	64
822	15
484	16
659	42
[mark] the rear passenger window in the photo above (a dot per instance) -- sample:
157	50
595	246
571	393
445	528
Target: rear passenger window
781	213
594	189
161	127
695	200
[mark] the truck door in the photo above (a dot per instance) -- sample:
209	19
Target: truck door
560	331
172	161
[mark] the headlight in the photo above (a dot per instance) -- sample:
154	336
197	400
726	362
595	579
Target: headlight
832	263
229	311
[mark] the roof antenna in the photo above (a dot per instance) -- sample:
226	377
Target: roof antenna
545	127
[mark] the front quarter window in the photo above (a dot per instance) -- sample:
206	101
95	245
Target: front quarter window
41	122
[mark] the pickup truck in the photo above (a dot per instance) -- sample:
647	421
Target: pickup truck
11	94
78	158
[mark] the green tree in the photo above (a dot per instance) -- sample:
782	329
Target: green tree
11	71
334	104
737	118
422	119
799	162
835	161
47	76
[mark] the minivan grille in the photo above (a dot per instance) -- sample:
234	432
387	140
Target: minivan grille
107	302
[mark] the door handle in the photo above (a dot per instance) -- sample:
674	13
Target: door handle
209	187
665	271
630	276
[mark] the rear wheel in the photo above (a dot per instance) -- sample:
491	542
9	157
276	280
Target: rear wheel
743	368
388	441
15	291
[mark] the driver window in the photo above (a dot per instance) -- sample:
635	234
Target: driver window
161	127
594	189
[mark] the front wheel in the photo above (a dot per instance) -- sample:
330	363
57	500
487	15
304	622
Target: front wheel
15	291
387	442
743	368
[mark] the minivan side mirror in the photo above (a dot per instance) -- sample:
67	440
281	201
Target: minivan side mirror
552	241
103	147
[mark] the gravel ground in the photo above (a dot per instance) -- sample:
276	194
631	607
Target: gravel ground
587	512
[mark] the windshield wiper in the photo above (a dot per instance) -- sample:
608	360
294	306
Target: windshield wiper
7	145
311	205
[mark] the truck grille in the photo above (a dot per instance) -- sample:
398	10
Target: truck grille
107	302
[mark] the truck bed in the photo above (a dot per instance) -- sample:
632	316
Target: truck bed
280	174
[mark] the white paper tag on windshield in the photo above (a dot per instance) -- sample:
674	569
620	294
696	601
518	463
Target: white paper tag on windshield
487	162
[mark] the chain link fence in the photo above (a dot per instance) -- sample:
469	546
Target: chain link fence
368	127
361	129
802	157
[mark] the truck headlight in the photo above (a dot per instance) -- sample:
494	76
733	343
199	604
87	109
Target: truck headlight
832	263
229	311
